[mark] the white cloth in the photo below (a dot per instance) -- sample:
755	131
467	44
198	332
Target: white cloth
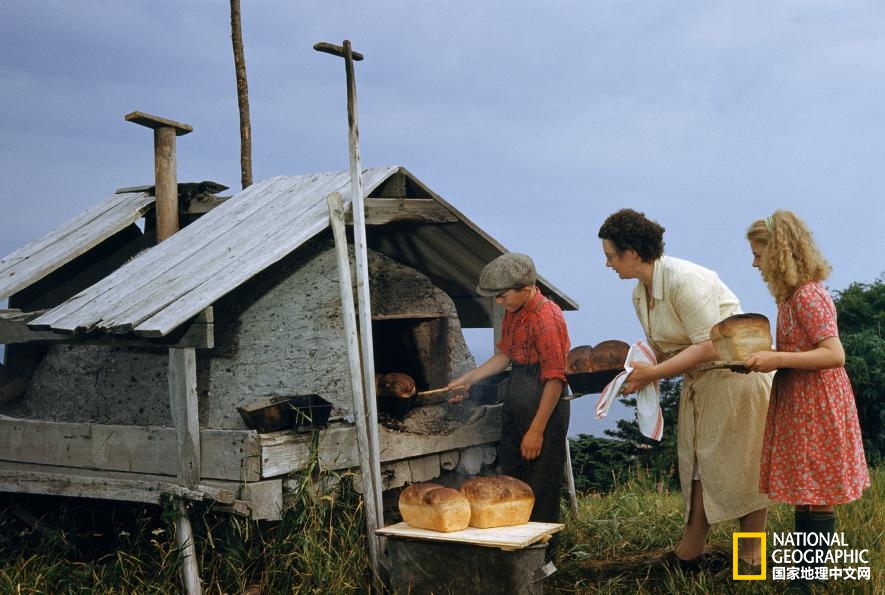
648	400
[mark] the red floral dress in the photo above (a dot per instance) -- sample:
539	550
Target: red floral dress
812	451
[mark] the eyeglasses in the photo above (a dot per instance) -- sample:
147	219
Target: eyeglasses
501	295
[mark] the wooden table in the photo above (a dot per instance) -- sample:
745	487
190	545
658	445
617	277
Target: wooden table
496	561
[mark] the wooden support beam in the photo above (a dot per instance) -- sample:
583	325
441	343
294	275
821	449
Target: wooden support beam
183	399
286	452
200	333
184	536
227	455
106	488
381	211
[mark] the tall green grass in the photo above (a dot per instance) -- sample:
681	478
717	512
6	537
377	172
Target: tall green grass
319	546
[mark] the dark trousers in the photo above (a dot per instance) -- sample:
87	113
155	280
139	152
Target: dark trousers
544	474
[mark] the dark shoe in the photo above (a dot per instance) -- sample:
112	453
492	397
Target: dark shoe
670	561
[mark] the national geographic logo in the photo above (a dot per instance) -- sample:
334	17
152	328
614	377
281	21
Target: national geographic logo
736	574
797	556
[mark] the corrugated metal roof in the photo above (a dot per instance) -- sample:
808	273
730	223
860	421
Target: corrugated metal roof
167	285
36	260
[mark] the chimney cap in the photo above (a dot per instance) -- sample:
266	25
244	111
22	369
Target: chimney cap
158	122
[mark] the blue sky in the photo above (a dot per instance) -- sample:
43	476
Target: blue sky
535	119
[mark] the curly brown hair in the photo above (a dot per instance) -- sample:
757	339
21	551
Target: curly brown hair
789	255
631	230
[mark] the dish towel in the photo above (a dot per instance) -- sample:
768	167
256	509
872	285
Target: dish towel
648	400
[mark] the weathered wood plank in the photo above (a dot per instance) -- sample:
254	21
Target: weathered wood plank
232	455
265	499
283	452
215	237
14	329
381	211
216	280
185	412
17	467
108	488
197	263
126	283
513	537
284	226
41	257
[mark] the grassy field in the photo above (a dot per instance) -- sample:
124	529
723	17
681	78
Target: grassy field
611	544
608	548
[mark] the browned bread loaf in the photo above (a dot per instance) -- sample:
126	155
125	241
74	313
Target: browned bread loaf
498	501
610	355
739	336
579	359
432	506
394	384
607	355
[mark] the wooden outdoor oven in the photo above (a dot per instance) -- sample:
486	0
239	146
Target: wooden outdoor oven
241	304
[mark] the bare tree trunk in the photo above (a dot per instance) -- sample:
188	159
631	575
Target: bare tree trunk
242	94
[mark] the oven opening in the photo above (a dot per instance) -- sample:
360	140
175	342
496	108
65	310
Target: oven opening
417	345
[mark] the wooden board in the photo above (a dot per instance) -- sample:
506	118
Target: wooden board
32	262
505	538
733	365
168	284
224	454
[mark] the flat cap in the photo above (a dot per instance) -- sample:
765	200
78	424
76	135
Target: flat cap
509	271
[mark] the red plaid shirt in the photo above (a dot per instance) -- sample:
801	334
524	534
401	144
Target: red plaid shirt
536	333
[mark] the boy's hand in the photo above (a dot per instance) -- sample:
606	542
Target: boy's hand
531	444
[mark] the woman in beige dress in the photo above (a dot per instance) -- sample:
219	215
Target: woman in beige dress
721	413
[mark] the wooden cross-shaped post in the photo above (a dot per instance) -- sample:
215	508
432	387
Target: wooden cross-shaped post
367	428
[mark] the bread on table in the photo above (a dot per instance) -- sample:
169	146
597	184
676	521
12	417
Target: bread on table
434	507
739	336
498	501
394	384
607	355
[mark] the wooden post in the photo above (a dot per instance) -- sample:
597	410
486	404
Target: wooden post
371	475
362	265
185	410
165	177
184	536
570	479
182	372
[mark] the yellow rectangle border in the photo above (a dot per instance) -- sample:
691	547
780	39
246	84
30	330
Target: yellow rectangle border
762	558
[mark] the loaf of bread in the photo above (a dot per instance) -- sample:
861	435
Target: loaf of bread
394	384
498	501
579	359
610	355
607	355
739	336
434	507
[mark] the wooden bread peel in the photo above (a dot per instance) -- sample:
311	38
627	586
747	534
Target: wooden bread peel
438	395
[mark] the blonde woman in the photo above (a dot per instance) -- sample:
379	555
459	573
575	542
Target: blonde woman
812	454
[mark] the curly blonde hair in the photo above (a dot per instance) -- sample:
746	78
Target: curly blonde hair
789	256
